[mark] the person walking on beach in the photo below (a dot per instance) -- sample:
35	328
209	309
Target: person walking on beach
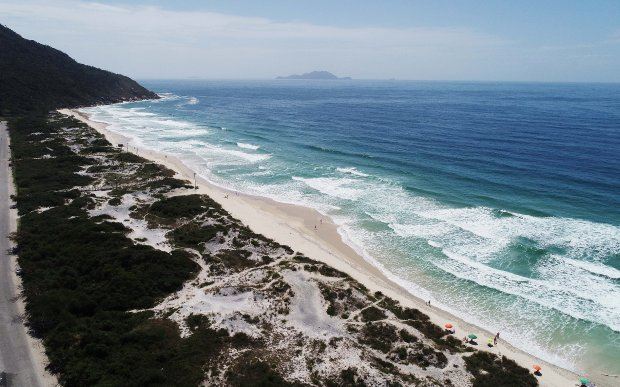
496	338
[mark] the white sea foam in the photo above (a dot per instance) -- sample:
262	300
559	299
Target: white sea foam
522	336
431	230
172	123
181	133
593	267
167	97
586	299
139	112
352	171
193	101
250	157
481	226
261	173
247	146
340	188
433	243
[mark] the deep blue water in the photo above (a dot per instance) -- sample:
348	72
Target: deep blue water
500	201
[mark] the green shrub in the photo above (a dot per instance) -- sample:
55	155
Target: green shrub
489	370
372	313
186	206
192	234
379	336
253	372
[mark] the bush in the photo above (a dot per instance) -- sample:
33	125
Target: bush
186	206
491	371
253	372
379	336
372	314
192	235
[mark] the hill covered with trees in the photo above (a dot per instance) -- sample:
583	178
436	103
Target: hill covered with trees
36	77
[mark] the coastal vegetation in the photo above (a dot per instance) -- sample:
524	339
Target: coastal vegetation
132	279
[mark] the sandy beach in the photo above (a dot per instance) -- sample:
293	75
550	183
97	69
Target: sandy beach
315	235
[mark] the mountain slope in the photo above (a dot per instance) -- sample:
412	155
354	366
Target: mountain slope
34	76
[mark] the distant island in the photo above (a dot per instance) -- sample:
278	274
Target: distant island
314	75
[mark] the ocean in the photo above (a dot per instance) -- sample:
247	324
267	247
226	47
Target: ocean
500	202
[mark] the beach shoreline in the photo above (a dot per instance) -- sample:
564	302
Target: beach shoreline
308	231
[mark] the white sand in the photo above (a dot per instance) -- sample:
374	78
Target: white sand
293	225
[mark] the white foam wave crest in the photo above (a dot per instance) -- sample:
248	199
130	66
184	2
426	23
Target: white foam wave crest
167	97
431	230
581	300
340	188
180	133
220	155
141	113
288	193
247	146
171	123
593	267
261	173
433	243
193	101
524	337
134	119
352	171
479	241
169	134
581	239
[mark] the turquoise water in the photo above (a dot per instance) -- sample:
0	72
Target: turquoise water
498	201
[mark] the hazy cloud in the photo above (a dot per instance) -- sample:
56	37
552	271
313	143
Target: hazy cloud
155	42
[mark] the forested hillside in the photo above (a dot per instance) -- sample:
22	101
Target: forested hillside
35	77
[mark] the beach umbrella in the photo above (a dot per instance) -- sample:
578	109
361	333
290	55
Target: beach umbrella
537	367
448	325
584	381
472	336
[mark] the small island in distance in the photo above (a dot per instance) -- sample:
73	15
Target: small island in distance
315	75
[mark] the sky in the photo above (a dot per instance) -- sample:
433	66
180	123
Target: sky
543	40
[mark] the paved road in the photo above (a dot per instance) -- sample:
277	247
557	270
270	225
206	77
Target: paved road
15	354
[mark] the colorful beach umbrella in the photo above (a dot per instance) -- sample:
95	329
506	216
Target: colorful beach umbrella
537	367
448	325
472	336
584	381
